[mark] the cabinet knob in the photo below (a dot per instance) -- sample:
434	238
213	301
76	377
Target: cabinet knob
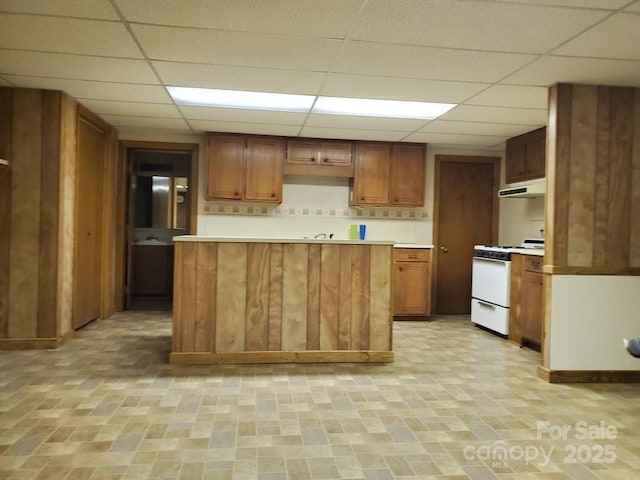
400	269
273	195
236	193
313	159
326	160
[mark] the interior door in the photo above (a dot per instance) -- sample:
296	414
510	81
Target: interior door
91	145
465	215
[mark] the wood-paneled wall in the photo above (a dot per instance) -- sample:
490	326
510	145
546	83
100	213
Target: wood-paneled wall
281	300
593	178
38	137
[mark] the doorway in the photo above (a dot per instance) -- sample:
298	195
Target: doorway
161	203
465	214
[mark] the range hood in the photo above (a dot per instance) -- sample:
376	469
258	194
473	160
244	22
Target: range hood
532	190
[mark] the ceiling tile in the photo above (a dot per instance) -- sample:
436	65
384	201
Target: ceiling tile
511	96
81	89
473	113
137	109
239	127
550	70
4	82
394	88
600	4
440	138
239	78
633	8
353	134
78	67
477	128
98	9
235	48
363	123
146	122
329	18
423	62
473	25
66	35
239	115
616	37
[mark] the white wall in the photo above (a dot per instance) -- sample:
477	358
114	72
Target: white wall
590	315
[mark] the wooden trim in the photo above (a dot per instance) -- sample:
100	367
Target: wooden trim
6	151
318	170
34	343
562	270
439	159
588	376
315	356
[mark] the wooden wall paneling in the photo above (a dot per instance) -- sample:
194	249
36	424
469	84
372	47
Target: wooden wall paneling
25	213
515	303
582	175
275	296
205	295
231	298
634	229
294	303
622	113
178	299
345	298
329	297
109	227
601	182
6	124
360	286
558	173
381	324
313	297
257	327
49	193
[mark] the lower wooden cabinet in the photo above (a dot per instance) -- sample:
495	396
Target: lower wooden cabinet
152	270
411	282
526	311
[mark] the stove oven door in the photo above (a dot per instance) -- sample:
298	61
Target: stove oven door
491	281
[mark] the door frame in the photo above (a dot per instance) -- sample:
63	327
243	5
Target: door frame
123	233
439	160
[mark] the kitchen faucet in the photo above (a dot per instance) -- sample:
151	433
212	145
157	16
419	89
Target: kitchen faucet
320	235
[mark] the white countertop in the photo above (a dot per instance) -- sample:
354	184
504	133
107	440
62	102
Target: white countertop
199	238
528	251
412	245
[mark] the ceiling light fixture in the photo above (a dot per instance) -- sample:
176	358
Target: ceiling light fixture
207	97
380	108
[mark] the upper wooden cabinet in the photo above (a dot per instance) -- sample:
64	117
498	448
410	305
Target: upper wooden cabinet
245	167
525	156
319	157
389	174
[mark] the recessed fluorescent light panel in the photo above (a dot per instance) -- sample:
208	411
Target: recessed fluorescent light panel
207	97
283	102
380	108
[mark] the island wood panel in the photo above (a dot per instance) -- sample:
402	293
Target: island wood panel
257	329
323	294
380	300
294	298
232	294
6	127
275	296
591	176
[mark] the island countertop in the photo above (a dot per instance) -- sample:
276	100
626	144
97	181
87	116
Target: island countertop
256	300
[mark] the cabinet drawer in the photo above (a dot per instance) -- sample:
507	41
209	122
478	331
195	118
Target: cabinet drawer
411	254
533	263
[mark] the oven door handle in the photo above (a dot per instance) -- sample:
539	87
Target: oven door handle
486	305
492	260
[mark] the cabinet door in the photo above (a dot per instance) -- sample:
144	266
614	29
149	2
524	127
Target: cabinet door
264	158
535	154
515	154
226	167
303	152
337	153
372	171
407	175
411	288
531	312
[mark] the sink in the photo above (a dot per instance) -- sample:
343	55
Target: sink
151	242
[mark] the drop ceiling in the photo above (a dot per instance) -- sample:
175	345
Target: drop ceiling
494	58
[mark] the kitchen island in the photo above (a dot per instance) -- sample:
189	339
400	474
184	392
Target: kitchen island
249	300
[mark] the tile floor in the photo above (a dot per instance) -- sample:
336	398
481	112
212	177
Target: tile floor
457	403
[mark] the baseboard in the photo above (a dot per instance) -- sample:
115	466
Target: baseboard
34	343
589	376
306	356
